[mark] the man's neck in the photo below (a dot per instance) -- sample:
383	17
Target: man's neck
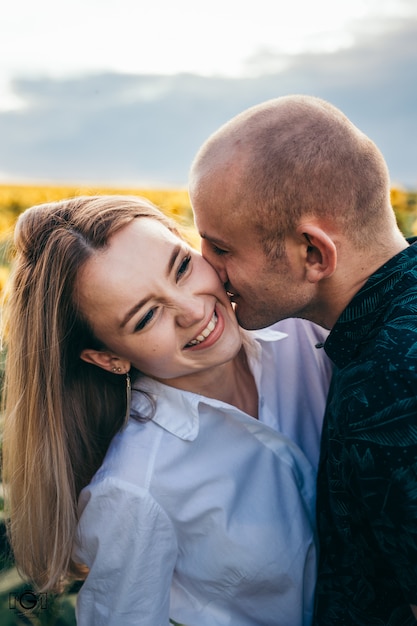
352	273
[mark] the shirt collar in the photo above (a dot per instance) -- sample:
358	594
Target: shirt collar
369	305
175	410
178	411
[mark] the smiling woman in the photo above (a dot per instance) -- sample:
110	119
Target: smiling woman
158	305
186	500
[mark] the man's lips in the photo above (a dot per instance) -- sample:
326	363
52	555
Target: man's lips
230	291
232	295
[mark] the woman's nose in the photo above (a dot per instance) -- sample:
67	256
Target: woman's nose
190	310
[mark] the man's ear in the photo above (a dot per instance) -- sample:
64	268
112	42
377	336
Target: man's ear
320	252
106	360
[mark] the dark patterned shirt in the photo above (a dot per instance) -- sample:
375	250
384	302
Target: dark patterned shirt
367	481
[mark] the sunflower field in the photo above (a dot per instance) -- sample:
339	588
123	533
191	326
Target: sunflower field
16	198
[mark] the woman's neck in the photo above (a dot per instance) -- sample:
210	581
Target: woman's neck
231	382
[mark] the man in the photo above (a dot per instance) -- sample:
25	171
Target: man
292	203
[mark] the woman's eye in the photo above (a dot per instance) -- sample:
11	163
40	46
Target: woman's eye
183	266
145	320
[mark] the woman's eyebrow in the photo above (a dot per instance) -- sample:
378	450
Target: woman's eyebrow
173	257
175	252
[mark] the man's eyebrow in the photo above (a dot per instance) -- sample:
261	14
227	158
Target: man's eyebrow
215	240
131	312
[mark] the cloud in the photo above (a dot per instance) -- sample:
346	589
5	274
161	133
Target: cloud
145	129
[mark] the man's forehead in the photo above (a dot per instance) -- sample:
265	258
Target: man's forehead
217	222
229	234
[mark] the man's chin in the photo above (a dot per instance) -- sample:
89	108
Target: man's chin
245	321
251	320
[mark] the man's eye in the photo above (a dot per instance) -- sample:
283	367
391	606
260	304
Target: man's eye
145	320
218	250
183	266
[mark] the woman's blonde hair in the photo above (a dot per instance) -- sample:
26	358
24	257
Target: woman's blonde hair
60	413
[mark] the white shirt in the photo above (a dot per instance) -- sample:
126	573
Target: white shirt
205	514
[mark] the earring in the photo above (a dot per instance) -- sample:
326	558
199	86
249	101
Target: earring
128	398
116	369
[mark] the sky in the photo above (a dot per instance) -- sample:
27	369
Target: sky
125	91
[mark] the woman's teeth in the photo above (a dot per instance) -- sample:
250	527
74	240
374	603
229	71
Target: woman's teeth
204	333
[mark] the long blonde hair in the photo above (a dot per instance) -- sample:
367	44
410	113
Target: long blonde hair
60	413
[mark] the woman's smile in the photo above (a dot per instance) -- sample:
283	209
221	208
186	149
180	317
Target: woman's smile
211	333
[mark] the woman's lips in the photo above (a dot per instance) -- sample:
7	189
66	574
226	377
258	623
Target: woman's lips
219	324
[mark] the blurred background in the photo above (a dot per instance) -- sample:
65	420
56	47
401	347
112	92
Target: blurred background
120	94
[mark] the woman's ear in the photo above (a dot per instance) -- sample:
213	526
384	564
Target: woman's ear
320	252
106	360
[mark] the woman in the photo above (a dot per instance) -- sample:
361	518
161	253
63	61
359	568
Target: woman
191	508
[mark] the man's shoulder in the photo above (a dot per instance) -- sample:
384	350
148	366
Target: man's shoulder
397	330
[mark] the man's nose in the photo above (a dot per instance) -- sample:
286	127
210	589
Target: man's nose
215	260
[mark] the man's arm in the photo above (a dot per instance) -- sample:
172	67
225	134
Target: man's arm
414	610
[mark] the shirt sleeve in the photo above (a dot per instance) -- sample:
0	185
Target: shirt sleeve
382	449
130	547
